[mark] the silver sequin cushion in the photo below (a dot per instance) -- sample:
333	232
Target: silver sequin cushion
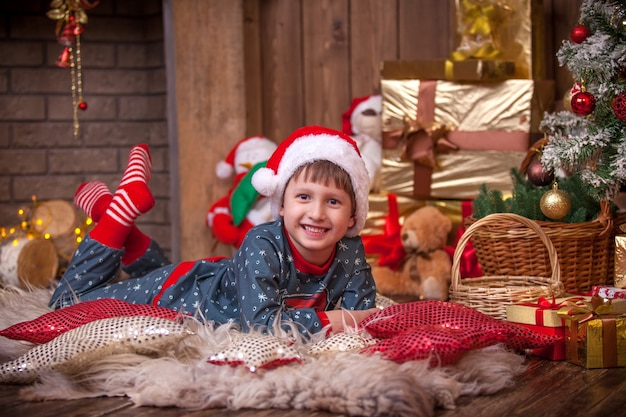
75	350
257	352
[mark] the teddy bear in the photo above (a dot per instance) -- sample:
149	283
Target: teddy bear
425	271
232	215
362	121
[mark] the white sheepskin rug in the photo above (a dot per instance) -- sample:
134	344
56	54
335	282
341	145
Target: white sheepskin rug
186	373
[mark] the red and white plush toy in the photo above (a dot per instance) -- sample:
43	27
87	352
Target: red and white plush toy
362	121
231	216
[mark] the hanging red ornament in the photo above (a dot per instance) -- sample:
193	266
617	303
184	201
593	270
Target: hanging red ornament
63	60
82	105
66	38
583	103
619	106
579	33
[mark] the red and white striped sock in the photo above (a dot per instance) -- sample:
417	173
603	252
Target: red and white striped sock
131	199
94	198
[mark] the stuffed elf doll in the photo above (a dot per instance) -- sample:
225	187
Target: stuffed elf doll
231	216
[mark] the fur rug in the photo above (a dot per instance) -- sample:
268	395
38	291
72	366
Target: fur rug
347	383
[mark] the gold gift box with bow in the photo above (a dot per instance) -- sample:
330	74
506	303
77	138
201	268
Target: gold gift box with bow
508	30
443	139
620	259
595	335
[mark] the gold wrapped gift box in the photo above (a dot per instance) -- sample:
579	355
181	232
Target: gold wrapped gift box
446	69
443	139
597	343
509	30
619	279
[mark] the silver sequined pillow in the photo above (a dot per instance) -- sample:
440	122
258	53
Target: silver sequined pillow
75	350
341	342
257	352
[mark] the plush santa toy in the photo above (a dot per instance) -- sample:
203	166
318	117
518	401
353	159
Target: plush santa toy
362	121
231	216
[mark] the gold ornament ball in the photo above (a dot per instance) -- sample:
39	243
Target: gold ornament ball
555	204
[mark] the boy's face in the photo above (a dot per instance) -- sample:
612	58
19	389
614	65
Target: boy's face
316	216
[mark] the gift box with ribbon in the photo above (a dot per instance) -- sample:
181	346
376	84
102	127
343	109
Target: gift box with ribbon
619	278
509	30
595	335
443	139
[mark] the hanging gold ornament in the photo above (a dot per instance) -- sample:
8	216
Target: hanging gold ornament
555	203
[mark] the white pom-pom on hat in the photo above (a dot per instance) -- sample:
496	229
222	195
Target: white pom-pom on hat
308	144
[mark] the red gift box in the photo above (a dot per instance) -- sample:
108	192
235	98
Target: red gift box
556	352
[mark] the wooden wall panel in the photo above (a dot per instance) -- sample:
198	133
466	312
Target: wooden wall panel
252	64
373	38
425	29
326	61
282	72
209	74
562	16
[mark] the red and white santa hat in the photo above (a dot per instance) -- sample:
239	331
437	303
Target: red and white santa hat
253	144
308	144
358	105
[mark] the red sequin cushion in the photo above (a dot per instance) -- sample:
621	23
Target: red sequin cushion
443	331
50	325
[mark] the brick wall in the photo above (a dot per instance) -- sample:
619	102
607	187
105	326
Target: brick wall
125	89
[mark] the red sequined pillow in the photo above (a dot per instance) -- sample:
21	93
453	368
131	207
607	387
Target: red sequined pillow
50	325
445	330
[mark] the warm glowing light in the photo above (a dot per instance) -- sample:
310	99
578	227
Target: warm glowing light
77	231
47	236
88	222
21	212
79	239
15	242
39	222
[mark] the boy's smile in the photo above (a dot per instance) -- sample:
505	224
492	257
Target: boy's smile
316	217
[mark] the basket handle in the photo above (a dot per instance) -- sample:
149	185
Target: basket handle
496	218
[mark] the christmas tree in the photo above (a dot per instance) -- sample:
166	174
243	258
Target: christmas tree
589	137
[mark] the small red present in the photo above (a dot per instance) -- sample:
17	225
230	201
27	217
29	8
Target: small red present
555	352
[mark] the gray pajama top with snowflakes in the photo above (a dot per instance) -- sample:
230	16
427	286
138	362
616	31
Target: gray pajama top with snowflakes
258	286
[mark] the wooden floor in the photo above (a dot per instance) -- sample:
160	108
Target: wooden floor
546	389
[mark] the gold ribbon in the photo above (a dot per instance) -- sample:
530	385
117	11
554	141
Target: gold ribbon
479	21
581	310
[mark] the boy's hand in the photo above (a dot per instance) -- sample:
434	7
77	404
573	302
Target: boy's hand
341	320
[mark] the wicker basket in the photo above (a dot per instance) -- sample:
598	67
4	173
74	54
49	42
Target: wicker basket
491	294
586	250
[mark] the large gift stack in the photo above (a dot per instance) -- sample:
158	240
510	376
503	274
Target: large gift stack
451	125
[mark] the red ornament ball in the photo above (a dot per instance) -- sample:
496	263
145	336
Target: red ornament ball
619	106
537	175
583	103
82	105
579	33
